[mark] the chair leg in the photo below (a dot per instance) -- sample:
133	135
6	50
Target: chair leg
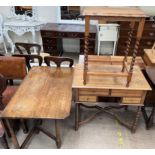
6	128
4	142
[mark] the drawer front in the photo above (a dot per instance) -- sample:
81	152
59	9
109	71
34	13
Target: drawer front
88	98
120	51
126	93
147	43
94	92
149	25
131	100
51	41
149	34
49	34
123	42
49	48
126	32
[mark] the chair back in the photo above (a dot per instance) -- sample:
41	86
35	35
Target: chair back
27	47
3	85
13	67
30	58
58	60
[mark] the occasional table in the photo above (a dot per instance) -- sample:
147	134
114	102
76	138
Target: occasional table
45	93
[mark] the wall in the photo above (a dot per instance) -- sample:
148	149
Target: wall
49	14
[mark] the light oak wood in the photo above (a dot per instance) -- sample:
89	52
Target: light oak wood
149	57
113	12
45	93
112	60
100	82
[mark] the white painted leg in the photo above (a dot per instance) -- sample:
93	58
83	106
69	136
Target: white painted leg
98	49
114	49
6	35
34	40
6	51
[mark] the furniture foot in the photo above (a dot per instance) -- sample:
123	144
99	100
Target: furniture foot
13	136
57	130
133	128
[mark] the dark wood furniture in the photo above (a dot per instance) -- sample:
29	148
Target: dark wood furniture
30	58
52	34
12	68
27	46
58	60
146	42
150	71
41	95
3	140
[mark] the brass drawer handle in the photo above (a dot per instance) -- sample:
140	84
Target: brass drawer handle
151	34
149	43
153	25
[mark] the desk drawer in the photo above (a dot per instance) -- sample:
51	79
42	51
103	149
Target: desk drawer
94	92
131	100
87	98
126	93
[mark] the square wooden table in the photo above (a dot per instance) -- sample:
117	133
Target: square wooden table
45	93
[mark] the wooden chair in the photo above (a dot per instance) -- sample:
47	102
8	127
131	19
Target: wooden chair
150	75
3	86
12	68
29	58
27	47
58	60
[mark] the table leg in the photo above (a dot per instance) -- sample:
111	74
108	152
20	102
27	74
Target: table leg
150	119
133	128
57	130
13	135
9	41
34	40
77	111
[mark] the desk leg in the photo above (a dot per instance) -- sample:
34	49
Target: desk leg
13	135
134	125
77	113
60	46
57	130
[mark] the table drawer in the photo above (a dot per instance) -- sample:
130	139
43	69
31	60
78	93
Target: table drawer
94	92
126	93
131	100
88	98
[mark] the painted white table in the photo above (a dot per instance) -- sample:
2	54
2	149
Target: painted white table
20	27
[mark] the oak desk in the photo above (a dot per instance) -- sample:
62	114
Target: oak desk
104	86
45	93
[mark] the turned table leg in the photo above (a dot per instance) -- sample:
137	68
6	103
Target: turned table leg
133	128
13	136
77	113
57	130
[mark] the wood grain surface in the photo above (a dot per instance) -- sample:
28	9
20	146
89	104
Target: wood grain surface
45	93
